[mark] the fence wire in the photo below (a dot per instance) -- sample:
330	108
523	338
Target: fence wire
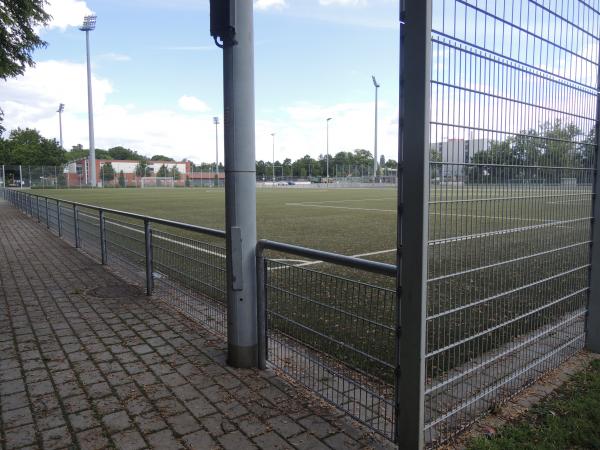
512	157
336	336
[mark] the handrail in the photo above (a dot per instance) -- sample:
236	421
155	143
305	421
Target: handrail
334	258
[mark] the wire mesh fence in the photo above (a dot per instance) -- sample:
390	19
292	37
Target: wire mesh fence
512	157
185	272
334	334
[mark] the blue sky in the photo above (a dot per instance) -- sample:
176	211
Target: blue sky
158	76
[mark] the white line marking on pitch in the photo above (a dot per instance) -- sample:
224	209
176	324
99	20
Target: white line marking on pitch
339	207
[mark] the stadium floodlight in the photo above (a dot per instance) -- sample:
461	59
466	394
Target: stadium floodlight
375	145
273	136
216	122
89	24
60	110
328	119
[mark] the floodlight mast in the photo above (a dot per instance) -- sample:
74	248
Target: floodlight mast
273	136
328	119
216	122
375	145
60	110
89	24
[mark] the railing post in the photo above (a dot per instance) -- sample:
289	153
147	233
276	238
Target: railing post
412	221
261	299
37	201
149	257
102	237
76	225
58	218
47	215
592	336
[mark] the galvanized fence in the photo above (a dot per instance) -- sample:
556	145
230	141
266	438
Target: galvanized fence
513	101
180	263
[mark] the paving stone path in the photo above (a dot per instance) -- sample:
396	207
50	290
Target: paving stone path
82	372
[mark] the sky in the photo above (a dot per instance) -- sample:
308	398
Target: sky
157	77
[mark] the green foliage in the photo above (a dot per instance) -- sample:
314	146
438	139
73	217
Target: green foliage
534	154
163	171
568	419
122	153
174	172
19	22
121	179
140	169
29	147
161	158
107	172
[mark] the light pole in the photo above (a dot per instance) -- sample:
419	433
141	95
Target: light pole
216	122
89	24
375	145
328	119
273	136
60	110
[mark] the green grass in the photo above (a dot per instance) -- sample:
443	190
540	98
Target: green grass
570	418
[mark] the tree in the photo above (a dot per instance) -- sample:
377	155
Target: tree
140	169
435	157
19	22
161	158
28	147
107	172
121	179
122	153
175	173
163	171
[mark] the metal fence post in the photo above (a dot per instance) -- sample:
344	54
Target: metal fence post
102	237
58	217
76	225
149	257
47	215
413	197
261	299
592	336
37	207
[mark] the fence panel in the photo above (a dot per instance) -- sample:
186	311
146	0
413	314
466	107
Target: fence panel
512	157
335	334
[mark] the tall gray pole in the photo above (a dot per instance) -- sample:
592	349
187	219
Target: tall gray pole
90	112
240	180
375	144
21	177
60	110
273	136
216	121
412	220
592	337
328	119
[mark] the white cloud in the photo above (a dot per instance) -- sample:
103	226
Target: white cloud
192	104
267	4
117	57
343	2
67	13
32	100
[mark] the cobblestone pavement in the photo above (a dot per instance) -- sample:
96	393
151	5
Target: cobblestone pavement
78	371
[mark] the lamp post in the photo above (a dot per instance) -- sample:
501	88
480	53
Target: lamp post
60	110
375	145
89	24
273	136
216	122
328	119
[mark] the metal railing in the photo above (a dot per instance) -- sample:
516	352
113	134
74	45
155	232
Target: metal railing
185	270
334	334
